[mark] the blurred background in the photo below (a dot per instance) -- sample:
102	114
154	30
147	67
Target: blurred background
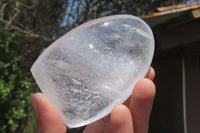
27	27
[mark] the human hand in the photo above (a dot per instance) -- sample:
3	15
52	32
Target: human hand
130	117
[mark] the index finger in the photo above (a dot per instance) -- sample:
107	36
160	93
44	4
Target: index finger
150	75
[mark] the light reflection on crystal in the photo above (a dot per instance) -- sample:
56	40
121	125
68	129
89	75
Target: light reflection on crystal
94	67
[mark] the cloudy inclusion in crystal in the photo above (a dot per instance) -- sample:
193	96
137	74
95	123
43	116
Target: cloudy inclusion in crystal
94	67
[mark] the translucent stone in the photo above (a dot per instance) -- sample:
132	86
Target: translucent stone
94	67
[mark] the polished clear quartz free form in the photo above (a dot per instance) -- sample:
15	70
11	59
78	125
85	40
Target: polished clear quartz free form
94	67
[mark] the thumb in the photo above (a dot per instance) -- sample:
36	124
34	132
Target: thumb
48	118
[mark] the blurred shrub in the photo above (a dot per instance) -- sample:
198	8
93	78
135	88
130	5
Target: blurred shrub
15	85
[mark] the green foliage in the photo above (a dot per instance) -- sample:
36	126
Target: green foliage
28	26
14	85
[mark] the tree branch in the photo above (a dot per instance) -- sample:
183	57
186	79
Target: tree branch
11	26
12	18
26	32
2	10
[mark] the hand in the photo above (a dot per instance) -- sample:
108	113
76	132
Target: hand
130	117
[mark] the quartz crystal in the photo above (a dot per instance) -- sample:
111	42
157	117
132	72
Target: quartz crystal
94	67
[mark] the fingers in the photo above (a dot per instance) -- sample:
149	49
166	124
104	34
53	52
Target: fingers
141	104
48	119
121	120
150	74
98	126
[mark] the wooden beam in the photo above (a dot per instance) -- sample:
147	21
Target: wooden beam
172	9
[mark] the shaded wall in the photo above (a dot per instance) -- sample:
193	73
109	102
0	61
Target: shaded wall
167	114
177	64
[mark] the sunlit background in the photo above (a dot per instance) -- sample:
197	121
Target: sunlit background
27	27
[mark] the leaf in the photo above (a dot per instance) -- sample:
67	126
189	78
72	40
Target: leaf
2	64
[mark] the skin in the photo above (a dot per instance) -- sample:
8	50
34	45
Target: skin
130	117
